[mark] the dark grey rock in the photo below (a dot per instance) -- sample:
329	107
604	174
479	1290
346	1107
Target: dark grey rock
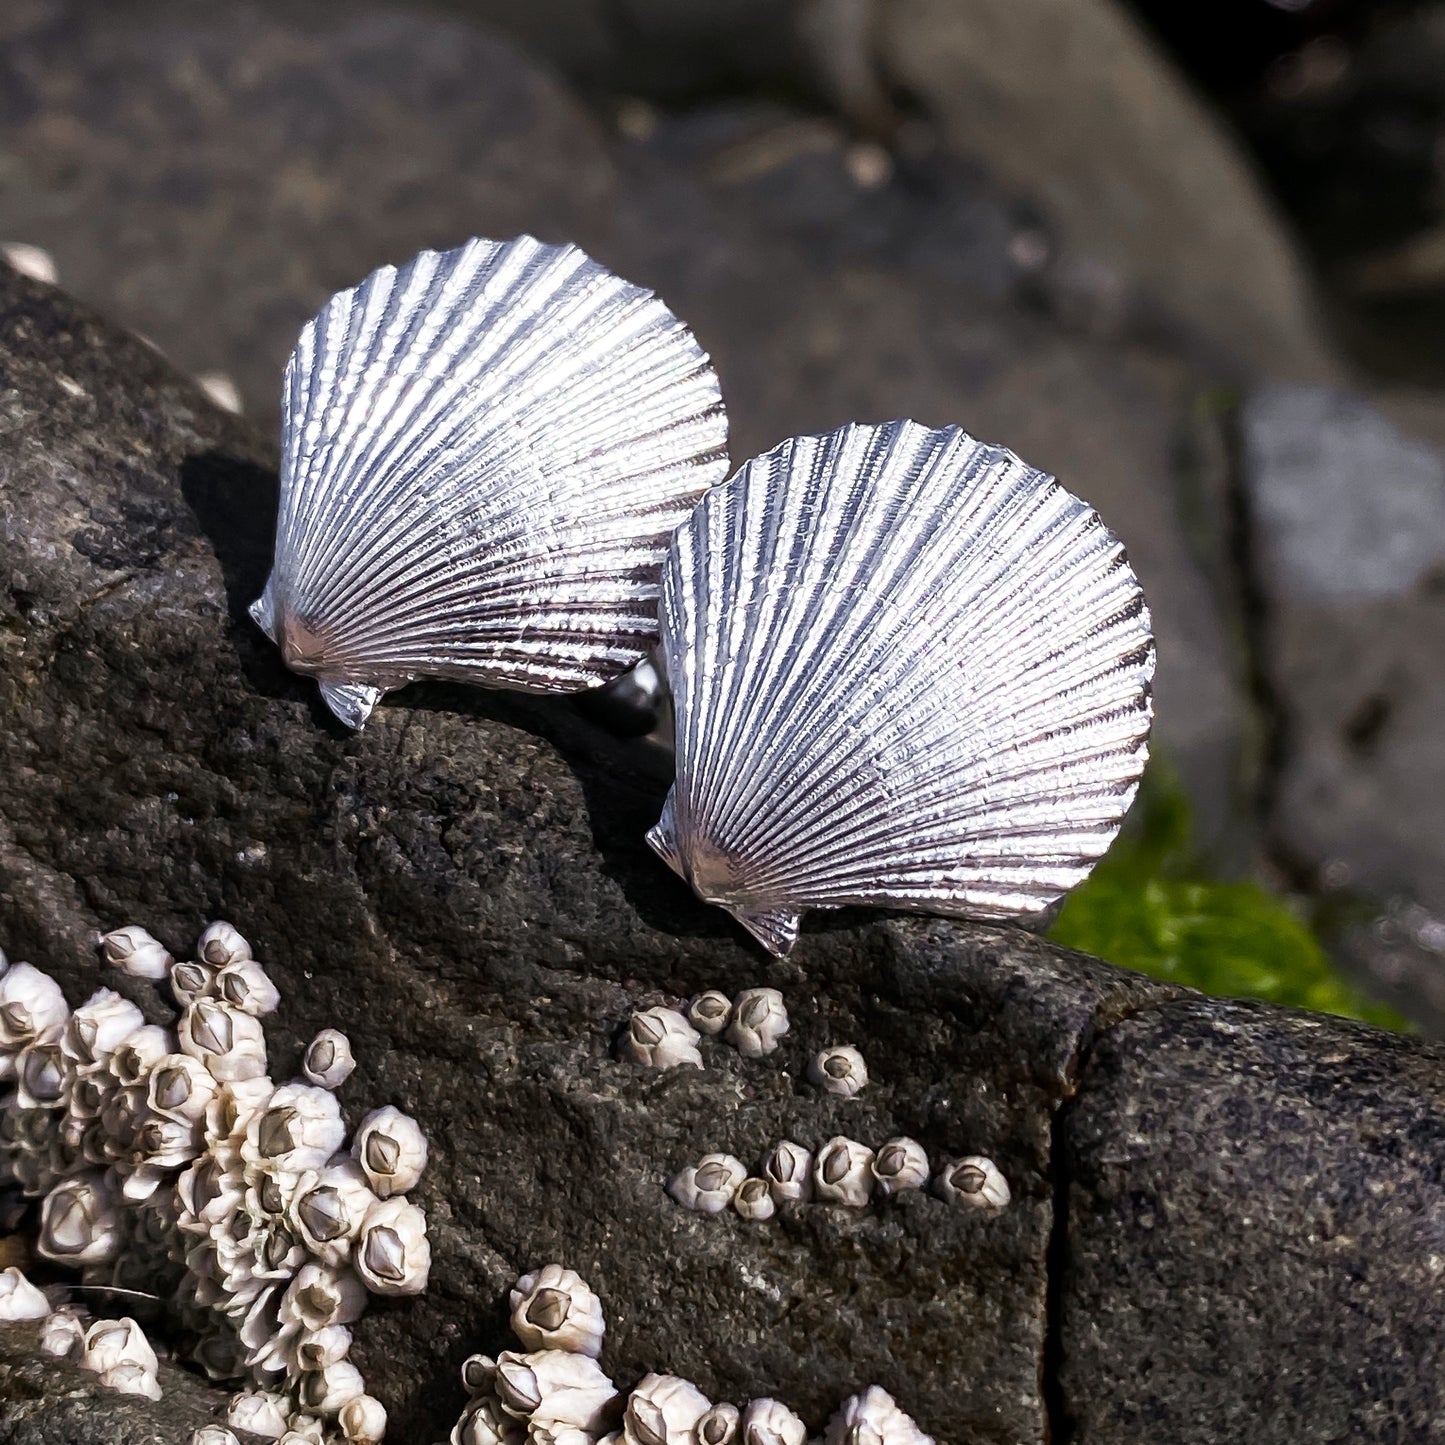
463	888
1256	1209
1347	517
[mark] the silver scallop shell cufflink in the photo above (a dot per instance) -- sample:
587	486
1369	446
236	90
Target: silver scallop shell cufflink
484	453
908	672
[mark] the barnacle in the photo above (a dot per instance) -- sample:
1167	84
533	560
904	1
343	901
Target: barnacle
759	1022
839	1070
900	1164
975	1180
172	1156
843	1172
708	1186
661	1038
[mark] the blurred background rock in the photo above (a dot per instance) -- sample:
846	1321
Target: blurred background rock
1191	259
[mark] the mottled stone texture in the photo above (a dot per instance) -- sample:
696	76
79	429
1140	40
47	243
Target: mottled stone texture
1256	1231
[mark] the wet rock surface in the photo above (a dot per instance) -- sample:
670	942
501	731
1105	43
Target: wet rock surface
464	890
1254	1203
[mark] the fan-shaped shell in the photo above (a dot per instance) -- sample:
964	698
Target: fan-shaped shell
908	671
483	455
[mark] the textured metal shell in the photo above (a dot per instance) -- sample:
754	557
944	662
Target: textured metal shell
483	455
908	671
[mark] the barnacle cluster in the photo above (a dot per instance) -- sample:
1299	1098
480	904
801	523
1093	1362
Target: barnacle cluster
753	1023
170	1160
843	1171
555	1393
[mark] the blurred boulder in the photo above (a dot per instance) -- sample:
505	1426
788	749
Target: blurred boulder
1347	518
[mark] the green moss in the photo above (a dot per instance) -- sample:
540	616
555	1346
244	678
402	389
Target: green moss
1148	907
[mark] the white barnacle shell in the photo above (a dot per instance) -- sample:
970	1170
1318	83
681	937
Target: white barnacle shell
134	951
770	1422
132	1379
873	1418
719	1426
231	1044
392	1254
708	1186
479	1373
214	1435
663	1410
192	980
326	1390
304	1429
710	1012
180	1087
109	1343
208	1192
759	1022
79	1221
974	1180
322	1295
133	1061
328	1060
843	1172
484	452
63	1334
221	944
328	1208
555	1309
900	1164
262	1412
661	1038
315	1349
300	1128
391	1149
30	1002
788	1168
839	1070
99	1027
909	615
42	1071
485	1422
559	1435
19	1299
245	985
362	1420
754	1199
554	1387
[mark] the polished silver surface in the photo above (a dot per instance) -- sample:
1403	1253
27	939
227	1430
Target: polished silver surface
484	453
908	671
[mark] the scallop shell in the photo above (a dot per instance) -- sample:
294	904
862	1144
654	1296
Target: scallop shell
484	453
908	671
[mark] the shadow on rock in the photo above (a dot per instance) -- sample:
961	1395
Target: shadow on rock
235	504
